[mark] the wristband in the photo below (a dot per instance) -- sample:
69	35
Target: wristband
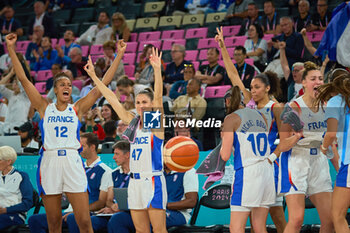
272	157
323	148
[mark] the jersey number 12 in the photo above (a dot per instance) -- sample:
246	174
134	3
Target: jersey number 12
61	131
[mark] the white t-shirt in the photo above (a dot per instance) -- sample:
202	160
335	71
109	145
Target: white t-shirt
251	47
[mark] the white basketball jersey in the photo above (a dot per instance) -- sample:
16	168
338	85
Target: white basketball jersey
60	129
146	153
314	123
250	143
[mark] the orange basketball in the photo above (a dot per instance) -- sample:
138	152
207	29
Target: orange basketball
180	154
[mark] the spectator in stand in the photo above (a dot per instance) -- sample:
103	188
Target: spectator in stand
121	127
34	45
294	42
304	18
245	71
110	130
120	29
16	190
174	70
192	103
186	131
103	64
77	63
63	51
55	69
97	34
321	18
270	20
9	23
294	78
253	18
26	132
42	18
18	103
237	12
256	46
211	74
220	5
45	56
197	6
179	87
173	7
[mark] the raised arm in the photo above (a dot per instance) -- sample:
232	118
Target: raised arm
307	42
85	103
284	61
156	62
230	68
38	102
108	94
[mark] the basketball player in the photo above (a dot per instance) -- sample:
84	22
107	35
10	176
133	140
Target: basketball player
337	116
60	167
263	87
245	131
147	190
304	171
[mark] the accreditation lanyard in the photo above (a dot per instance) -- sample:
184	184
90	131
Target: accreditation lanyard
89	169
243	73
124	181
273	22
256	46
10	25
325	21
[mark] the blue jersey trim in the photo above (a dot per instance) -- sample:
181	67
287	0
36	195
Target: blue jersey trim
342	175
38	183
285	183
157	200
345	135
236	198
41	127
237	154
157	160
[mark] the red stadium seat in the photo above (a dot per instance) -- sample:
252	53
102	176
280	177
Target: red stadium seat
207	43
96	50
129	70
41	87
167	44
196	33
235	41
191	55
149	36
131	47
156	44
129	58
43	75
173	34
230	30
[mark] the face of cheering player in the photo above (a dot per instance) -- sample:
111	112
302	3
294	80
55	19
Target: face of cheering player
63	90
312	81
258	89
106	113
119	157
143	103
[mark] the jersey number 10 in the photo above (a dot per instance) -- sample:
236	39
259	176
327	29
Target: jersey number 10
256	143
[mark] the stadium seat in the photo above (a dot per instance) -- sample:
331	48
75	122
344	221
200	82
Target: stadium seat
173	34
215	17
195	64
189	21
96	50
131	10
129	70
268	37
191	55
61	15
231	51
131	25
167	44
84	14
85	50
156	44
203	55
169	21
78	83
53	42
153	7
61	42
41	87
315	36
129	58
196	33
216	197
74	27
149	36
43	75
216	91
22	45
131	47
207	43
33	73
230	30
95	57
235	41
147	23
